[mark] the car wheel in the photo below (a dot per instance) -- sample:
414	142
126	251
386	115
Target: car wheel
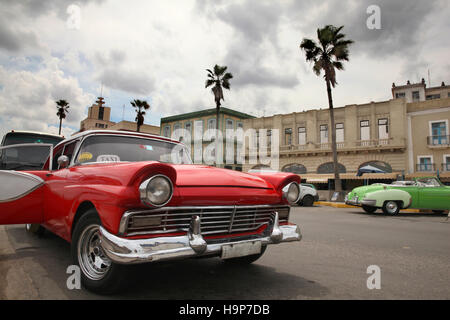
98	273
369	209
245	260
391	208
307	201
35	228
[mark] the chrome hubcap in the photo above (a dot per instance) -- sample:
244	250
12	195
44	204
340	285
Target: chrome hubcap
93	261
391	207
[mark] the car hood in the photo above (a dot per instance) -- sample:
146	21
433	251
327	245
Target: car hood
206	176
182	175
360	191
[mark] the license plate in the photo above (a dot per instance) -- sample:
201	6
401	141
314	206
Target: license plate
241	249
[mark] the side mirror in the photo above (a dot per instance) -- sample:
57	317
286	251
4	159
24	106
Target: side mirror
63	162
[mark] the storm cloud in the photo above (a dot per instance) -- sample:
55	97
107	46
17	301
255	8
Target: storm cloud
159	51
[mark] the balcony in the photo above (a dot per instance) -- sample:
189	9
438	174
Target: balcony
442	141
425	167
354	146
445	167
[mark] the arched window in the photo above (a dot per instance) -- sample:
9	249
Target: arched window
260	166
329	168
294	168
377	165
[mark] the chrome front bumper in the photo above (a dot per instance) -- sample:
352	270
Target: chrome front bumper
132	251
365	202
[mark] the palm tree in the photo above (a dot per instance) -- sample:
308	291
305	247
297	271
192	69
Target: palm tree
218	79
62	106
327	56
139	105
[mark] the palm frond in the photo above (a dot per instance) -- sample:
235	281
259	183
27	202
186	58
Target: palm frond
209	82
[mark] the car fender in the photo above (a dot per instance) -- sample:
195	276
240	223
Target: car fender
305	190
389	195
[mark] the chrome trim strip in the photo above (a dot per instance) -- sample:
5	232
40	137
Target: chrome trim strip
36	182
128	214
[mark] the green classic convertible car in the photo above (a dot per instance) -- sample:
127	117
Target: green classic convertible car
422	193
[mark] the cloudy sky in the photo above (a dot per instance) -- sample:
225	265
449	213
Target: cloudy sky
159	50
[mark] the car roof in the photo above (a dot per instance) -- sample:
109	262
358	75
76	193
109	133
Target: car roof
115	133
36	132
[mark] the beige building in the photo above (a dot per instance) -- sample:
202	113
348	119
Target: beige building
196	125
99	118
407	135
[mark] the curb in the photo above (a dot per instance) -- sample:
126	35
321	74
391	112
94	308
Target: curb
343	205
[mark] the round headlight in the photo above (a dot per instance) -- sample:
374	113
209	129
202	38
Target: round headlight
291	192
156	191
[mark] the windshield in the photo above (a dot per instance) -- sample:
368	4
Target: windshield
106	148
24	157
18	137
428	182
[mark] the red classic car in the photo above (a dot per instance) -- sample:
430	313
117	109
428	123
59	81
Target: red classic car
123	198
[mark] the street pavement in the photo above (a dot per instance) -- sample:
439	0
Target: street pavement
412	251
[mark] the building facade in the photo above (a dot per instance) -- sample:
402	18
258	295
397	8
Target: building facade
407	136
196	124
99	117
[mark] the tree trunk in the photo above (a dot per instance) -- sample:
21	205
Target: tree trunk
60	124
217	131
337	179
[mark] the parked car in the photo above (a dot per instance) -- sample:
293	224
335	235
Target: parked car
123	198
31	155
308	195
421	193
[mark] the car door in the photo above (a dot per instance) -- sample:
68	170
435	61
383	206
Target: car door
432	195
22	191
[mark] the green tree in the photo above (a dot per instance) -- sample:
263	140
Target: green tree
218	80
140	106
62	106
327	55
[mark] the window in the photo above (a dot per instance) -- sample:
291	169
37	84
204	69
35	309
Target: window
69	149
433	96
365	130
399	95
339	132
439	132
383	129
415	96
295	168
101	112
229	124
240	125
324	133
166	131
212	124
198	129
446	163
99	125
302	136
288	136
188	127
425	163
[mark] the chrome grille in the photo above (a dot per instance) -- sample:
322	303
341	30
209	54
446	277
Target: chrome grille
214	220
